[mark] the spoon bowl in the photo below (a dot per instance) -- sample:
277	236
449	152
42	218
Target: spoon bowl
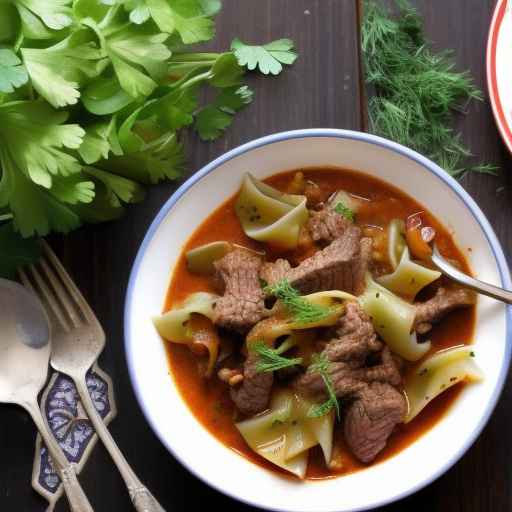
24	344
24	357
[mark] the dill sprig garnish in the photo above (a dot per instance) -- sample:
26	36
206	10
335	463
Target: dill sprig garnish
271	360
415	91
321	365
301	310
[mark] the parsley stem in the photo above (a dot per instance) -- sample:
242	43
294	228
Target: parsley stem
196	79
195	57
7	216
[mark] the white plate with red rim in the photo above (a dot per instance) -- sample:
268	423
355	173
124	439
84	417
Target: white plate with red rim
499	69
222	468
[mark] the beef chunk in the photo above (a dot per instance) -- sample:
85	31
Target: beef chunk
340	266
349	377
242	305
371	418
355	337
364	371
326	225
274	272
349	353
252	396
444	301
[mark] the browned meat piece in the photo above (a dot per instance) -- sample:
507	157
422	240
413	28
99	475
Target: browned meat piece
361	369
444	301
274	272
242	305
371	418
355	337
340	266
252	396
349	377
326	225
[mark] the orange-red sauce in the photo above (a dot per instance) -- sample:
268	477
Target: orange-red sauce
209	399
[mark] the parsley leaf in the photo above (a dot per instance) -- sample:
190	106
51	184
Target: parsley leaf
270	360
57	72
12	73
37	16
321	365
268	58
188	18
302	311
213	119
34	139
344	211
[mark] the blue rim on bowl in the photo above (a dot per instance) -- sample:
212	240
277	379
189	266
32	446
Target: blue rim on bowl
435	170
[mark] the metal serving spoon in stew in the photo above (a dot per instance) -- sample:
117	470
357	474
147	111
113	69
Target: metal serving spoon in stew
469	282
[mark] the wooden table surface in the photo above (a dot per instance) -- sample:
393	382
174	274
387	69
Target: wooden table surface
321	90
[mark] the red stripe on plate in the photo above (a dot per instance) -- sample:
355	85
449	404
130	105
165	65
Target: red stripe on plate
492	82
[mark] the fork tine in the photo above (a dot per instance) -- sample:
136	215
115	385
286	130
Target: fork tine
69	284
44	293
60	294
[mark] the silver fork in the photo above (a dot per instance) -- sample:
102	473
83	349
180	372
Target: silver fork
78	339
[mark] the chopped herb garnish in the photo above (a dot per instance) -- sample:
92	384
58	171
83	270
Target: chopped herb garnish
345	211
377	295
277	423
271	360
302	311
321	365
423	372
472	354
415	90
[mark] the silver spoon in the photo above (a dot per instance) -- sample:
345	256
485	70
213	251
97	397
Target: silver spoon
469	282
24	356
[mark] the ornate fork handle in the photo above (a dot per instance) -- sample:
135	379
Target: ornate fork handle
143	501
78	501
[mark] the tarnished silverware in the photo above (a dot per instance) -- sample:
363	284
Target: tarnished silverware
469	282
78	339
24	356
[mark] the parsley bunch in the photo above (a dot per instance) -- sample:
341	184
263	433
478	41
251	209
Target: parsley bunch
94	96
415	91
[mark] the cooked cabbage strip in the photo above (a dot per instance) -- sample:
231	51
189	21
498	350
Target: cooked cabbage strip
284	434
281	324
438	373
409	277
173	325
270	216
396	241
205	335
393	319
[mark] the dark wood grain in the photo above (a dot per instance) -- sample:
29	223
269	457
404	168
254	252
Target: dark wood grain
321	90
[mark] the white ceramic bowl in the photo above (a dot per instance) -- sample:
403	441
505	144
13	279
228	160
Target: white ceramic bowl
224	469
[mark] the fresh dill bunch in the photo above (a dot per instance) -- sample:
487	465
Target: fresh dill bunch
302	311
321	365
344	211
271	360
415	91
